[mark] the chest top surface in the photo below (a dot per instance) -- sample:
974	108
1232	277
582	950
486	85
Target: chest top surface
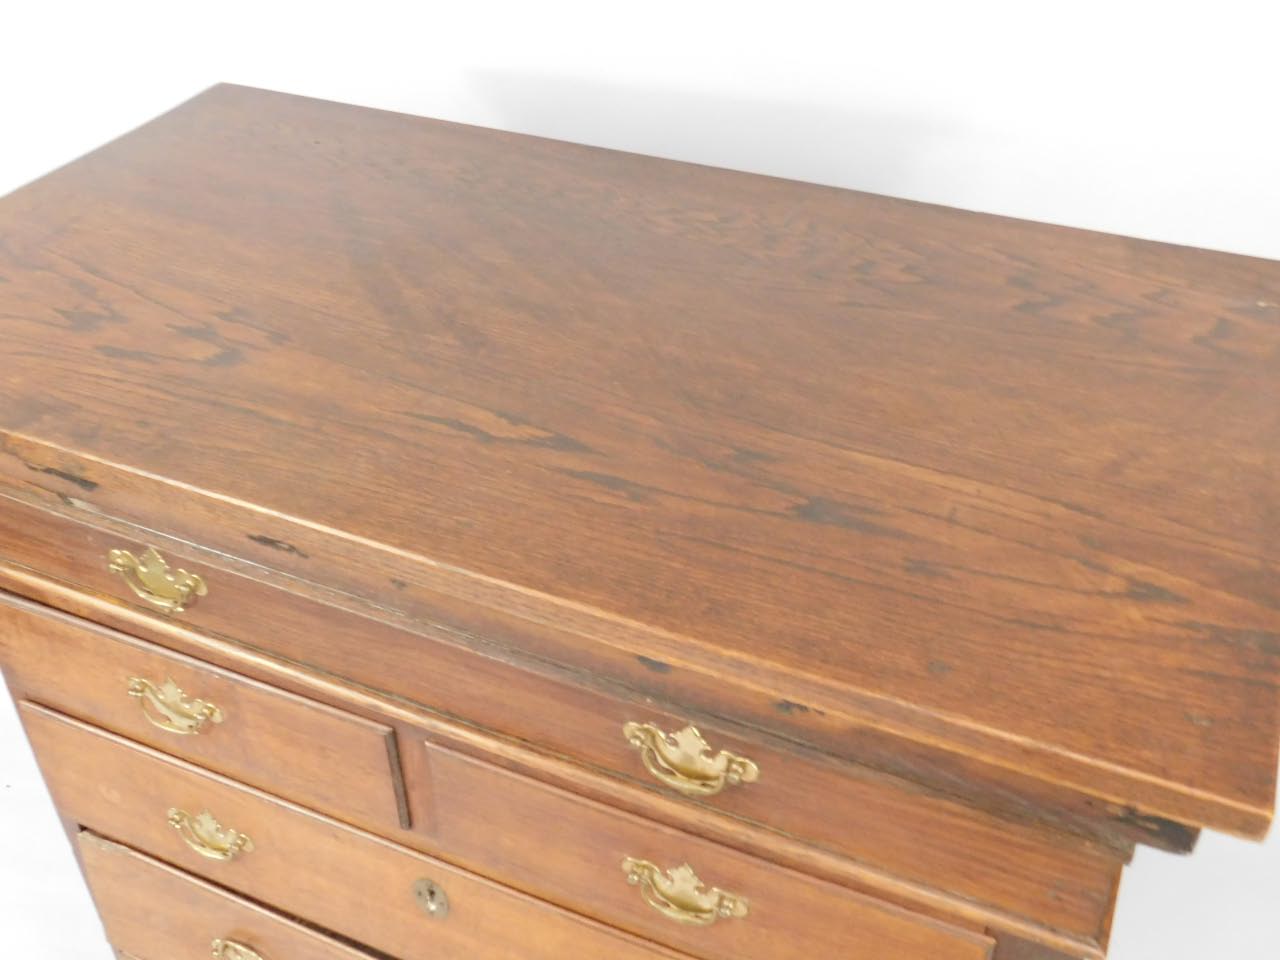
1012	485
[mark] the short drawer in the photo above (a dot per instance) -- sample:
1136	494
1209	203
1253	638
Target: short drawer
688	892
153	912
395	900
310	752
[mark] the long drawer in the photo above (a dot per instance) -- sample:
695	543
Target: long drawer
153	912
646	877
377	893
920	838
370	889
327	758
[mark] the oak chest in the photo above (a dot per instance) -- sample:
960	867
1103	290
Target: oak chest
421	541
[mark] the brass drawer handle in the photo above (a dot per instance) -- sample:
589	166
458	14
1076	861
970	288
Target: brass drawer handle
207	837
680	895
233	950
150	578
683	760
168	708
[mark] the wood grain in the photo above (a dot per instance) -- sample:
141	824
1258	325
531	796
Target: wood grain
1011	948
481	620
972	870
305	750
1001	488
364	888
154	912
890	824
309	866
484	814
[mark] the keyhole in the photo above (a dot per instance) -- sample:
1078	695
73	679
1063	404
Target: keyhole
431	898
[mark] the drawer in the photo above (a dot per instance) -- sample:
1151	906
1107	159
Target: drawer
688	892
310	752
880	822
396	901
153	912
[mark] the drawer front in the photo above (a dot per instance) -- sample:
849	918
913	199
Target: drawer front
690	893
843	807
153	912
396	901
336	762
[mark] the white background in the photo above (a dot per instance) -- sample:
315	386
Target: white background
1159	120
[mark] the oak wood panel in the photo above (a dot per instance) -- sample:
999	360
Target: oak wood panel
430	664
338	762
407	666
154	912
1000	487
487	815
312	867
1072	913
923	839
1012	948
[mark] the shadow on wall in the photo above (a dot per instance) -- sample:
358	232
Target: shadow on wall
876	152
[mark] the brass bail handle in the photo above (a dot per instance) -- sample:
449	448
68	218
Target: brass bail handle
166	706
683	760
149	576
234	950
203	834
680	895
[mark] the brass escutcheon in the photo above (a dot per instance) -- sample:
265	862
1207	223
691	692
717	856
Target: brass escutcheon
431	897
